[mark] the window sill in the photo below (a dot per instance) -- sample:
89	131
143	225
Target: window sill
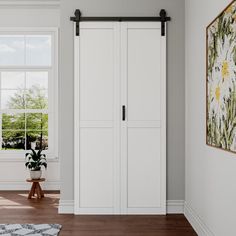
16	157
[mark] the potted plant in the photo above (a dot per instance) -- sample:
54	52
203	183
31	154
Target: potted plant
34	161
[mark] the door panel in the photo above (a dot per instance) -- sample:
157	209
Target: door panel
96	167
144	167
96	74
143	74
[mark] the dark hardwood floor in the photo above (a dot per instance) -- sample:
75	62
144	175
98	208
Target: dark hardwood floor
16	208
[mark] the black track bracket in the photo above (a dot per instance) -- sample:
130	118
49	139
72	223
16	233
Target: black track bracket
76	19
163	18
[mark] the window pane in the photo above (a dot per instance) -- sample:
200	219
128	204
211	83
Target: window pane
12	50
12	99
37	79
13	140
36	98
36	121
37	140
13	121
38	50
12	80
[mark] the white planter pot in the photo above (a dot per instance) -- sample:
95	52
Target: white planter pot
35	174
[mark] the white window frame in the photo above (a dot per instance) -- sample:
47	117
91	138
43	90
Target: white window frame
52	152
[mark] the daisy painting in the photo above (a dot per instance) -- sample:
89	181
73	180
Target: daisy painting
221	80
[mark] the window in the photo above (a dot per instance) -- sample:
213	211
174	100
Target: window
28	90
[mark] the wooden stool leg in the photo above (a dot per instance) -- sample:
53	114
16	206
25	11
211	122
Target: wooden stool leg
32	191
38	190
41	191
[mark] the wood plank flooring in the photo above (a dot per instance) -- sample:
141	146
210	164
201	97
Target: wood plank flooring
16	208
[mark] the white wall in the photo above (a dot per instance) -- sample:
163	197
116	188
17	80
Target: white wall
175	83
210	173
42	14
13	173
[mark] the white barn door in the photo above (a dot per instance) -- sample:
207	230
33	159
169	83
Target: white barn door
96	118
143	148
120	106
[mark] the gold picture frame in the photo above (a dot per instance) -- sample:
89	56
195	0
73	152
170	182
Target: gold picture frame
221	80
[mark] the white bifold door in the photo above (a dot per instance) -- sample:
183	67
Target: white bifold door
120	118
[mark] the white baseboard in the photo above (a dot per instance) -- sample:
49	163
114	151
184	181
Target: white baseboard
23	185
173	207
66	207
196	222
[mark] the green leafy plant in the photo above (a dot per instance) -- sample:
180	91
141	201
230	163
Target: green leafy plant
35	160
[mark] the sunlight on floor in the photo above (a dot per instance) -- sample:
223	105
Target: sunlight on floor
9	204
21	201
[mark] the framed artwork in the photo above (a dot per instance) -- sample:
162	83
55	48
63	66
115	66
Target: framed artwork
221	80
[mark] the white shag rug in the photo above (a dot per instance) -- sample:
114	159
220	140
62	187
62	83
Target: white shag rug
29	229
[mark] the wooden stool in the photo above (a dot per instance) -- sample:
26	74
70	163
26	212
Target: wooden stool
36	188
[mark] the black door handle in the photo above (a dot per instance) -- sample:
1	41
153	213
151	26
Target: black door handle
123	112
